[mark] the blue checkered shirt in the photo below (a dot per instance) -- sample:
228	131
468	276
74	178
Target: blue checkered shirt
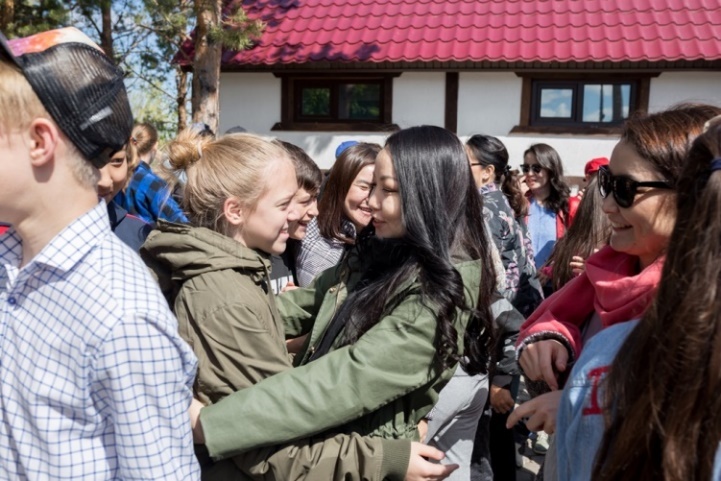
147	196
95	381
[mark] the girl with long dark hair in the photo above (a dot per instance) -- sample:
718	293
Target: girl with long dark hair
620	281
388	326
504	210
589	232
551	208
643	399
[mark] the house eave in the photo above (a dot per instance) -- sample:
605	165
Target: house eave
359	67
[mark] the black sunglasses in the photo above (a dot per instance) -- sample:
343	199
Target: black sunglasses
536	168
624	188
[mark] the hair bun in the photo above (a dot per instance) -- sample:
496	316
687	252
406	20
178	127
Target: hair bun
186	150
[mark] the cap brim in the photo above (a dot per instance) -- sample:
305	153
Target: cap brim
5	50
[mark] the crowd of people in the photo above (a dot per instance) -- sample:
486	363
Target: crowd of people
217	307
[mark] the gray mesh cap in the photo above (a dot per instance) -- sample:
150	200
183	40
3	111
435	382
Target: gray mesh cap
79	86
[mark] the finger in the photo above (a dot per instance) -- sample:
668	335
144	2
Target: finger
535	422
529	361
549	376
561	358
430	452
521	411
440	471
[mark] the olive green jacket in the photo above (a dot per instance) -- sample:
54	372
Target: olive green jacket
382	385
219	292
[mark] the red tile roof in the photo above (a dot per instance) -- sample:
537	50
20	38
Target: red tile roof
300	31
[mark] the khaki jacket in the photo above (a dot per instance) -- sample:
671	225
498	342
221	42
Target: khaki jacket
382	385
219	291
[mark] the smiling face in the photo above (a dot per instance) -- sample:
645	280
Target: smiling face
355	206
536	182
113	176
307	206
265	226
385	200
644	228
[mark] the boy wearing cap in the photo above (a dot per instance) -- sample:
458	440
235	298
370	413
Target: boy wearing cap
94	380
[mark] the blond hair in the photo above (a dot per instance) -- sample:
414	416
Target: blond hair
234	165
19	106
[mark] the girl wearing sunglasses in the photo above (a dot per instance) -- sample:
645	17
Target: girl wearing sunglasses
620	280
670	358
551	209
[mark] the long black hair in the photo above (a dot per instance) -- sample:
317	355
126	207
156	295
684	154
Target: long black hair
442	213
489	150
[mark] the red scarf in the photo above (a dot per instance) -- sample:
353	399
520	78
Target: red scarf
611	286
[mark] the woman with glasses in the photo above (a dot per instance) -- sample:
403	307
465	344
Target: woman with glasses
504	210
620	280
551	208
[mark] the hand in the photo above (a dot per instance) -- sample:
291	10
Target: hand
423	429
194	411
419	469
289	287
581	193
294	345
501	399
541	412
578	265
539	358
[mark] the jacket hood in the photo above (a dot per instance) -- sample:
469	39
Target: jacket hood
177	252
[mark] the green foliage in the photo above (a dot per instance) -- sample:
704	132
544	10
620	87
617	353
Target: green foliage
237	31
152	106
30	17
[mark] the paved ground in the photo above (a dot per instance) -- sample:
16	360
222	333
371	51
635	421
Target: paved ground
531	463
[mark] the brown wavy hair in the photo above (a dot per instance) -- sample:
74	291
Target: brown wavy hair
663	386
590	230
341	177
549	159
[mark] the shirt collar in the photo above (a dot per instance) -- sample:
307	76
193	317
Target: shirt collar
70	245
489	187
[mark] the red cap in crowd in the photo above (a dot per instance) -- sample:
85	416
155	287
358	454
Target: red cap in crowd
593	165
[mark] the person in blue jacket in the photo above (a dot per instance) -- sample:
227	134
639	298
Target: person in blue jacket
643	402
113	179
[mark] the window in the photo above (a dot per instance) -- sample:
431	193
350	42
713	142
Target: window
336	103
582	104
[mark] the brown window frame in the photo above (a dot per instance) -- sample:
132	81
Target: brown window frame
292	119
531	122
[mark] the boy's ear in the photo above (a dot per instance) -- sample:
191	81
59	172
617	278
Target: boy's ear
233	211
44	139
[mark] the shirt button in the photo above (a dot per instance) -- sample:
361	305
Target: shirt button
12	301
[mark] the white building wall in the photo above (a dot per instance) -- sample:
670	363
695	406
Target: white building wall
251	100
419	98
671	88
488	102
